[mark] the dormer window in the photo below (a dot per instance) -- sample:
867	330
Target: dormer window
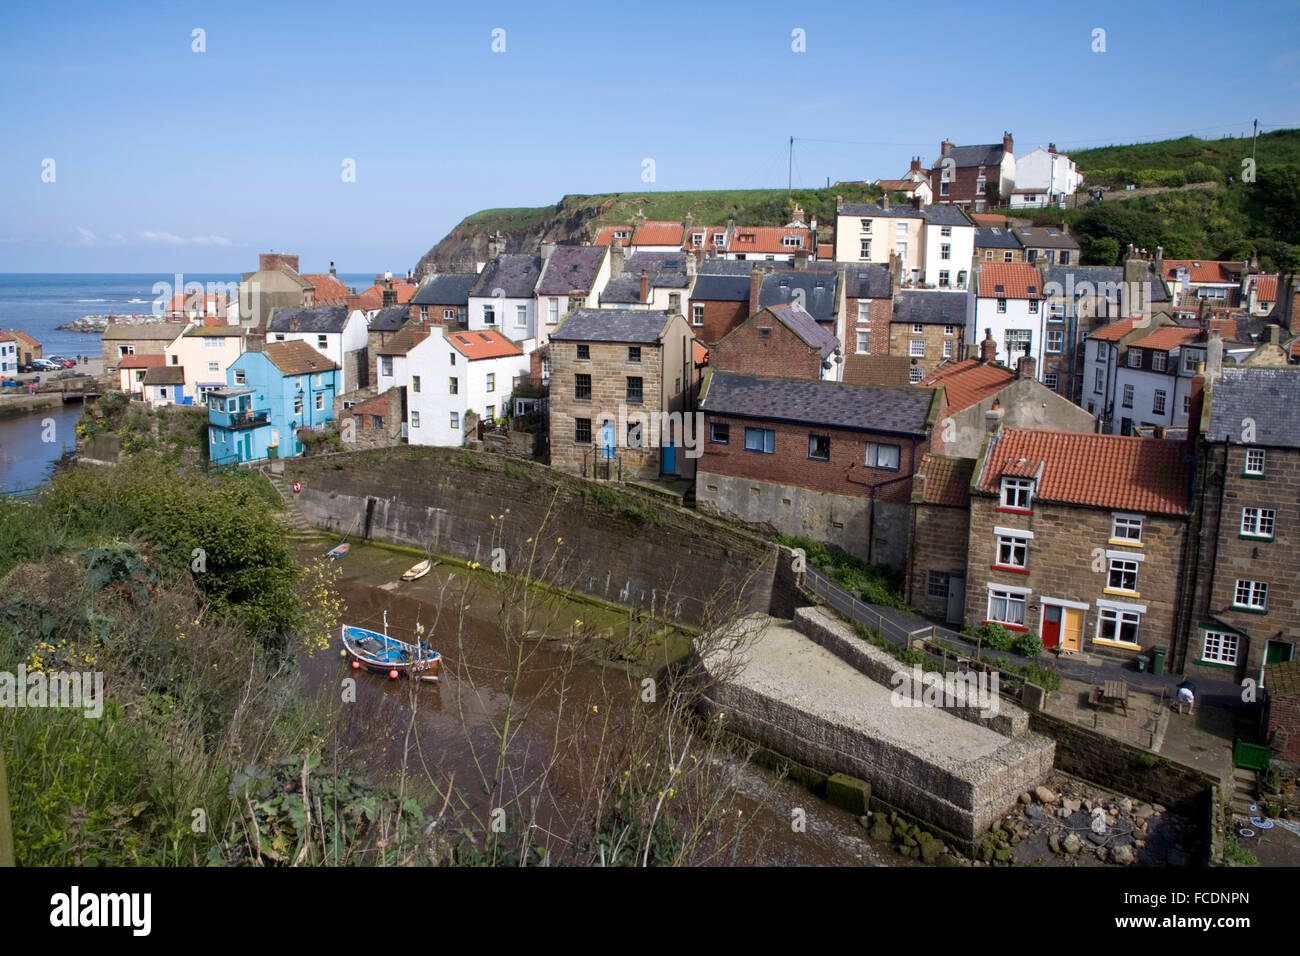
697	238
792	242
1017	493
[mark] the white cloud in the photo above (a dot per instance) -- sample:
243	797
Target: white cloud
170	238
85	237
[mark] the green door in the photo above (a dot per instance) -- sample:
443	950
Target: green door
1278	652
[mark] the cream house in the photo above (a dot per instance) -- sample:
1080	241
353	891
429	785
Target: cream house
205	352
934	244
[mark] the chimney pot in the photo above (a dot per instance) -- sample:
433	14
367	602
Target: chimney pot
645	286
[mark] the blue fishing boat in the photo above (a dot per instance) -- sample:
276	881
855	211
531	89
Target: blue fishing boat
382	654
339	551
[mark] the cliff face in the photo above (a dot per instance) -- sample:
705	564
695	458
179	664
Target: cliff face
467	244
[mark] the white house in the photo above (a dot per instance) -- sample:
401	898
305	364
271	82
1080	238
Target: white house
503	298
1044	177
205	352
570	269
336	331
1009	303
450	374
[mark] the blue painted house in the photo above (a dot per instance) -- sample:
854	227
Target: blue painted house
269	396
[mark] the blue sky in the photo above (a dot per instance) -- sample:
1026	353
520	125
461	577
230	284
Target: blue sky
170	160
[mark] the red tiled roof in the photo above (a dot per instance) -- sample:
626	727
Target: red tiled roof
898	185
701	353
606	235
373	298
944	481
1116	330
482	345
653	233
1266	288
23	337
1017	279
405	339
1202	270
769	239
141	361
328	290
969	381
1104	471
989	219
207	303
1167	337
825	250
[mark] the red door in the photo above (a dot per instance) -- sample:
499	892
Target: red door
1051	625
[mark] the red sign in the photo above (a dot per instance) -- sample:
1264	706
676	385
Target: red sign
297	487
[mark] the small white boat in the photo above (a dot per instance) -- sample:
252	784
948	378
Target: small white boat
417	571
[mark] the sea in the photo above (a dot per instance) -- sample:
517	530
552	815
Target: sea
36	303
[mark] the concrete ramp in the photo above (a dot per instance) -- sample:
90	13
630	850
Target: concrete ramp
794	696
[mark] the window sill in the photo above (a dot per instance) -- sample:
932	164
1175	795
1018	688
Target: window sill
1205	663
1007	567
1121	593
1249	610
1015	511
1008	626
1125	543
1120	644
1248	474
1255	537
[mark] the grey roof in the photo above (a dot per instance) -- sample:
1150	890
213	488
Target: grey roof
1083	278
1045	237
725	288
451	288
934	215
514	274
879	409
637	326
165	375
990	155
571	267
329	318
867	282
664	270
996	239
818	292
809	330
1265	395
933	308
743	267
160	331
390	319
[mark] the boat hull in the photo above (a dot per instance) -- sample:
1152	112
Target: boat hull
386	655
415	572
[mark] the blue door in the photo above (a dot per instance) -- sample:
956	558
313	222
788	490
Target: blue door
607	438
247	452
670	459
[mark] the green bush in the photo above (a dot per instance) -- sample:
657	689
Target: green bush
873	583
1047	678
1027	644
992	637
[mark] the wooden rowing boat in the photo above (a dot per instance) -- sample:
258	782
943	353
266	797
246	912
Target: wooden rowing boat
417	571
382	654
339	551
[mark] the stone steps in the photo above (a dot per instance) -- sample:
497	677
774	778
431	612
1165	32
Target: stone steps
290	514
1245	792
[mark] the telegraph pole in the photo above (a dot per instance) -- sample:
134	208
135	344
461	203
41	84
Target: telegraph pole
1253	138
789	168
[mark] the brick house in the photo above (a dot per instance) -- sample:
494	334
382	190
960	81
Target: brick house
1245	609
121	339
963	175
824	460
995	244
610	370
1080	538
868	308
1282	711
929	328
383	327
29	349
719	303
939	533
783	340
443	299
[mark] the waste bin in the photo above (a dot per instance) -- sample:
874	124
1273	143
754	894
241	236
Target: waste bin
1141	662
1158	660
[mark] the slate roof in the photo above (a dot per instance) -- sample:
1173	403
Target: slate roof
515	274
1072	277
866	281
715	288
1255	393
318	319
990	155
296	358
862	369
1118	472
933	215
808	329
612	325
941	480
1009	280
483	344
818	292
1045	237
664	270
390	319
968	382
993	238
879	409
570	267
147	332
165	375
450	288
743	267
219	330
932	308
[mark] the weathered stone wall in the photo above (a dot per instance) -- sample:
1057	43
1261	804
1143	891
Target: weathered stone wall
939	543
467	503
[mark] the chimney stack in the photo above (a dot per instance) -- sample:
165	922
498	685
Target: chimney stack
945	148
993	417
801	259
645	286
839	203
988	348
1027	367
353	303
1008	144
916	165
895	274
755	287
884	199
1051	148
332	272
389	296
1274	334
615	258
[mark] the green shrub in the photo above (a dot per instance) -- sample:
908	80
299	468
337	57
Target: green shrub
992	637
1027	644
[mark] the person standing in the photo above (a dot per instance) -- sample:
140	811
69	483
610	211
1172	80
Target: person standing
1187	695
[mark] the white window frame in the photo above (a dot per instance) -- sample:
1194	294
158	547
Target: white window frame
1126	522
1017	487
1121	616
1261	459
916	348
1009	596
1012	540
1220	647
1254	589
872	456
1159	361
1124	561
1159	401
1254	520
1056	336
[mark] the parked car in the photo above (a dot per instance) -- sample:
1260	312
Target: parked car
27	367
45	365
62	361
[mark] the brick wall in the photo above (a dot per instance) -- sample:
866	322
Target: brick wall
939	543
609	369
999	255
1284	727
901	337
719	319
880	311
780	353
1069	542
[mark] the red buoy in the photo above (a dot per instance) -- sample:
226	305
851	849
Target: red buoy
393	673
356	665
